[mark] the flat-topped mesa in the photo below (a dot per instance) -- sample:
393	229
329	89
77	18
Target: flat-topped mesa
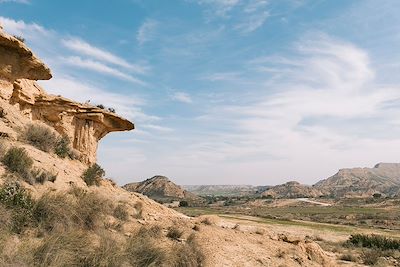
84	124
18	62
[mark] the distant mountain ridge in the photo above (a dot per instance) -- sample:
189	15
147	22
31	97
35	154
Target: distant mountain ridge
292	189
225	190
160	188
382	178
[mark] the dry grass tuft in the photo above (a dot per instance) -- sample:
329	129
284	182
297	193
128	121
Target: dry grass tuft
174	233
40	136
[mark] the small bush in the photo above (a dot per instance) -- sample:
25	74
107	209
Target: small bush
121	213
101	106
371	257
374	241
112	110
19	38
62	147
18	161
40	136
41	176
15	198
174	233
183	203
93	175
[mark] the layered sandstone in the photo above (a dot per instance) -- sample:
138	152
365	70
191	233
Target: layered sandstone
292	189
160	188
17	61
84	124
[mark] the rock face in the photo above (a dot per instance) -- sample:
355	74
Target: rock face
161	188
84	124
17	61
383	178
292	190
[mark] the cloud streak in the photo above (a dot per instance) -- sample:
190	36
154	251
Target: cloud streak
182	97
146	31
84	48
99	67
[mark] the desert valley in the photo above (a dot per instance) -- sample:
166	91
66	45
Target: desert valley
176	197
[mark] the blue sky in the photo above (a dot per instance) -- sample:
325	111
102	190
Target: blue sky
227	91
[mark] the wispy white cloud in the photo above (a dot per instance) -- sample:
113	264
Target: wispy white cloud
221	76
15	1
246	16
156	127
84	48
99	67
220	7
182	97
19	27
146	31
252	22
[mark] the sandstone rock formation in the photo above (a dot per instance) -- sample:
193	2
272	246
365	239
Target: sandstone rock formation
17	61
161	188
292	190
383	178
84	124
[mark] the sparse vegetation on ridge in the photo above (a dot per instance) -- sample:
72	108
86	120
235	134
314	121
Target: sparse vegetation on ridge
62	147
40	136
93	175
18	162
69	230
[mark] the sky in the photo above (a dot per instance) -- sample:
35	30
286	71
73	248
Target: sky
227	91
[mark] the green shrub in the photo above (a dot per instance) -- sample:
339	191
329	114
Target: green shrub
174	233
183	203
18	161
40	136
19	38
93	175
121	213
63	147
374	241
15	198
